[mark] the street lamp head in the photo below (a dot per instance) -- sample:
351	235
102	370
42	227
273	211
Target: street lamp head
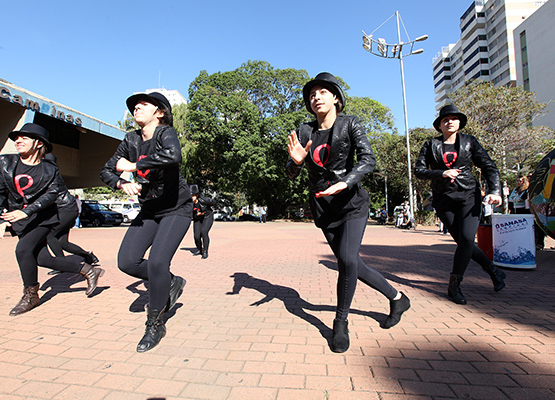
419	51
421	38
365	39
367	47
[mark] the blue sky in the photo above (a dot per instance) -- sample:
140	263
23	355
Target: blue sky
91	55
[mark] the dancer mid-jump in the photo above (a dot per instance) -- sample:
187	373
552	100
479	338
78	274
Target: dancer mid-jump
153	154
338	202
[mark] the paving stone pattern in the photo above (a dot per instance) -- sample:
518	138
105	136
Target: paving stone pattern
254	322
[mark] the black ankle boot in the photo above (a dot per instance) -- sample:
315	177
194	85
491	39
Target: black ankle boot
454	290
397	308
154	332
176	288
496	276
204	254
340	338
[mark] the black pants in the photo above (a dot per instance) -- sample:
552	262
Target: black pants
163	237
345	241
58	238
462	221
31	251
200	232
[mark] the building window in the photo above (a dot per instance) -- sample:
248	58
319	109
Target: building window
524	59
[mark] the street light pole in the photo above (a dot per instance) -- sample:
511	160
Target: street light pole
386	50
411	194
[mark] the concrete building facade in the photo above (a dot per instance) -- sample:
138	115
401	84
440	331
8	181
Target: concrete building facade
534	59
485	48
81	143
174	97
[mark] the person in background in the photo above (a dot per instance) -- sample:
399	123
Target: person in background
518	199
203	219
339	204
79	208
58	238
153	154
446	160
262	214
29	186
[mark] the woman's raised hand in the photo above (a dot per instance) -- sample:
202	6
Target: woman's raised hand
131	188
493	199
124	165
333	189
451	174
296	151
13	216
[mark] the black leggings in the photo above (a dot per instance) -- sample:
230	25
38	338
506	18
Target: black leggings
345	241
58	238
200	232
31	251
163	237
462	222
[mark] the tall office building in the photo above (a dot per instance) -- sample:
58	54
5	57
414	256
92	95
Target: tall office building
535	62
485	48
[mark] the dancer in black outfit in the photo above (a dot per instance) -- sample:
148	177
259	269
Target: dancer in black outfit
203	219
153	154
447	161
338	202
58	238
28	190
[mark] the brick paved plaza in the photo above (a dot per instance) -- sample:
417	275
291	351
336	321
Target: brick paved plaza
255	319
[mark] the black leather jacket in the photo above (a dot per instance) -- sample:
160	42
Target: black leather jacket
430	165
163	161
44	193
204	204
348	138
65	201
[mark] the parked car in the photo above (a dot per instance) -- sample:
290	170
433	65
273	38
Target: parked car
96	214
248	217
128	209
220	215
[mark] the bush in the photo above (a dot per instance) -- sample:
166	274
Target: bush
425	218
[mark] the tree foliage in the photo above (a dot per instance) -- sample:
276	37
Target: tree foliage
128	124
391	154
501	118
234	133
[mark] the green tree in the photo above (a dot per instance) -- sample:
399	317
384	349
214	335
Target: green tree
128	123
501	118
235	133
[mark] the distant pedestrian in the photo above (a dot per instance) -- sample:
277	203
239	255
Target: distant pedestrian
327	146
262	214
153	154
79	208
447	160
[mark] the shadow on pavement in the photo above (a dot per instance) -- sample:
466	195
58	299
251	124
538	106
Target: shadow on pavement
140	302
63	282
292	301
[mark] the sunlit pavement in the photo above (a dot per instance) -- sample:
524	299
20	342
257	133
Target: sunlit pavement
255	319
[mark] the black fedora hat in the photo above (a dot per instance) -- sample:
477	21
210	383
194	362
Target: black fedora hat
156	98
194	189
449	109
327	80
33	131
